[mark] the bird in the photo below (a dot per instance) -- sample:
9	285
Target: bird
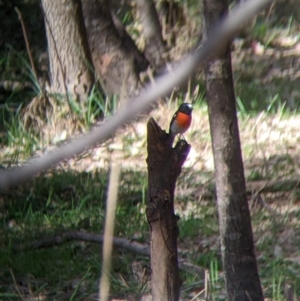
181	120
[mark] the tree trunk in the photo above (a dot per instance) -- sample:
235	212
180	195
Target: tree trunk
69	55
164	167
114	61
141	62
154	44
239	262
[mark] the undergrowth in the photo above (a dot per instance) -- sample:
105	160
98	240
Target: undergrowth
61	201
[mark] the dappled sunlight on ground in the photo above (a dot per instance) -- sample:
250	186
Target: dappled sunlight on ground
270	144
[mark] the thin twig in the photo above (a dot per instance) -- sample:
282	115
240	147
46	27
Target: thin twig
197	295
27	44
34	70
16	285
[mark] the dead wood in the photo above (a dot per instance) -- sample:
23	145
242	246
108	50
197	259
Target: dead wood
122	243
273	186
164	167
67	236
252	187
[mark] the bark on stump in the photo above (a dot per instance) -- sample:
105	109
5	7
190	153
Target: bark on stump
164	167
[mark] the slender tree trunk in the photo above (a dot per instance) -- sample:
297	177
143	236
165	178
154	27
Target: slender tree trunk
69	55
237	245
154	44
164	167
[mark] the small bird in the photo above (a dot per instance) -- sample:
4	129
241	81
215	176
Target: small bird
181	120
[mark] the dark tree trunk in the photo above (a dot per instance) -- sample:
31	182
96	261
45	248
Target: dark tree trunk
113	60
241	273
69	54
164	167
154	44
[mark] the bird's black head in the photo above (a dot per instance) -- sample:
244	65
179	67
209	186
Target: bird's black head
186	108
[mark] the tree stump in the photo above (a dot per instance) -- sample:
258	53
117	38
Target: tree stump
164	167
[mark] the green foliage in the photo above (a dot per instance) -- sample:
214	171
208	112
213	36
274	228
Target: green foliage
190	227
267	32
18	84
211	261
69	201
17	135
255	175
95	108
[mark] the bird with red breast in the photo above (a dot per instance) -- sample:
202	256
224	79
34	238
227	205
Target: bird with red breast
181	120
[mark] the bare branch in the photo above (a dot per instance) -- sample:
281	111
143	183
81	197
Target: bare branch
27	44
118	242
67	236
179	75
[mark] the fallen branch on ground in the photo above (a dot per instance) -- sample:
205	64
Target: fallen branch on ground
118	242
207	191
273	186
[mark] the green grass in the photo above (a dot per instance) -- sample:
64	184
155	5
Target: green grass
24	142
61	202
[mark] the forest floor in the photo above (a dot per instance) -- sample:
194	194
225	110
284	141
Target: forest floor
72	196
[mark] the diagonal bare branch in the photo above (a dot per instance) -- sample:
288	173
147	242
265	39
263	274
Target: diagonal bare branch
221	35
